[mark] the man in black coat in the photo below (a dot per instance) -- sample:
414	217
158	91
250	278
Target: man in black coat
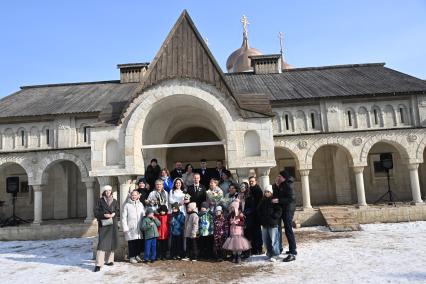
197	191
257	194
152	173
177	171
205	174
217	173
284	195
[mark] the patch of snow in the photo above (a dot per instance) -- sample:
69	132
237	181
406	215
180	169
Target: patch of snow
380	253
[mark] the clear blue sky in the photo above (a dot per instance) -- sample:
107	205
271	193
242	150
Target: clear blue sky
74	41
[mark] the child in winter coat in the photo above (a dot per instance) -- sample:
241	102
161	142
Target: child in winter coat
149	229
163	231
220	233
270	217
236	241
177	223
206	231
191	232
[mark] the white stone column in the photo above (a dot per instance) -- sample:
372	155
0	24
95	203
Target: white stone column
243	174
360	191
306	195
38	204
90	218
415	185
125	183
263	174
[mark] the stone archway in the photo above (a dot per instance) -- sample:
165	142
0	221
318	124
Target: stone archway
24	197
193	155
331	176
376	178
165	110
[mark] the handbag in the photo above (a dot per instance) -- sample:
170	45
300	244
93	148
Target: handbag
107	222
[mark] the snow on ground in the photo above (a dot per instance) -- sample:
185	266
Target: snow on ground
381	253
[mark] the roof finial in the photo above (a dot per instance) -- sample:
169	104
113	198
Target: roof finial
245	22
281	37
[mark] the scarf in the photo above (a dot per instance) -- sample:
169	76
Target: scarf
109	200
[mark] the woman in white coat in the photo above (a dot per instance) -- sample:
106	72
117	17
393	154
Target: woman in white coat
177	194
131	218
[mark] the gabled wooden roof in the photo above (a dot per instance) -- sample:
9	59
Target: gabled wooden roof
185	55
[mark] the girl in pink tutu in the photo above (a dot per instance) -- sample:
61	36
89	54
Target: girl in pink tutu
236	241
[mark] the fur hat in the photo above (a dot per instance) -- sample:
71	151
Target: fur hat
219	208
106	187
285	174
175	206
234	206
268	188
162	208
192	206
149	210
205	205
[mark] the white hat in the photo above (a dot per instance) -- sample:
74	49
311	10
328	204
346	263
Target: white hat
106	187
268	188
218	208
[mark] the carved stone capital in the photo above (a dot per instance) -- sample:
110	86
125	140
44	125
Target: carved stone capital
358	170
304	172
413	167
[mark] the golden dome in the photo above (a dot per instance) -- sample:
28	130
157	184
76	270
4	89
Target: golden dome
285	65
239	60
243	61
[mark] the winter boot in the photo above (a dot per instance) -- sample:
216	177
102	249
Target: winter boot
289	258
97	268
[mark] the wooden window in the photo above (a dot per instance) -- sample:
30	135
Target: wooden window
86	134
376	117
349	118
22	137
401	113
287	124
47	137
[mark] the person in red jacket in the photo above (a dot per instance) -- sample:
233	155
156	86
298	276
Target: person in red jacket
163	231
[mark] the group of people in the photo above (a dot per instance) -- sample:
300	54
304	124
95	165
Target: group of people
197	214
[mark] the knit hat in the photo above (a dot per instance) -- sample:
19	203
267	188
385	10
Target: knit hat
268	188
234	206
149	210
285	174
219	208
175	205
192	206
142	179
162	208
205	205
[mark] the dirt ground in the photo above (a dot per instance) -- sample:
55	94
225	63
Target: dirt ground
216	272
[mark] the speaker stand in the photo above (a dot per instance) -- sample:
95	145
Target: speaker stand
13	220
389	193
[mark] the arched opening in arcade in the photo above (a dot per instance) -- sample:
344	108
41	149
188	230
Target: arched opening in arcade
331	178
375	175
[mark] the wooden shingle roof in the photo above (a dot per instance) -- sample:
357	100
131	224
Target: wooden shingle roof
328	81
93	97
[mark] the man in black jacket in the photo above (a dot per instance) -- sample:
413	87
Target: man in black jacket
152	173
257	194
205	174
197	191
285	196
177	171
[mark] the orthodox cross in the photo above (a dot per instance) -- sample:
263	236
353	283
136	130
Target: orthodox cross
281	37
245	22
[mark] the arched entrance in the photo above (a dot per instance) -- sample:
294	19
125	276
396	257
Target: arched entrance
331	177
24	199
375	177
193	155
64	193
183	128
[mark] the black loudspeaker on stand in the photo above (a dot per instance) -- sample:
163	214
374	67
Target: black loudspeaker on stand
12	187
387	163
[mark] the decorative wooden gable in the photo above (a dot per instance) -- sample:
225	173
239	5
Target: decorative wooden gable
185	55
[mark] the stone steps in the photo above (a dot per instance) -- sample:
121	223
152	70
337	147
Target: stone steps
340	219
